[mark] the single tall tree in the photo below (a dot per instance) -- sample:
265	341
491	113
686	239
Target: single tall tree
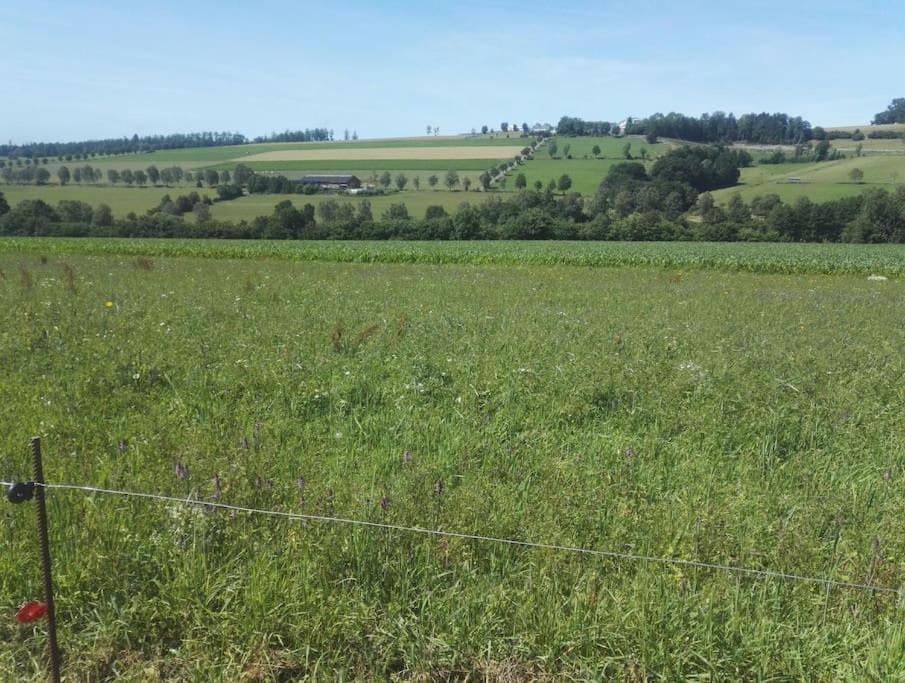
452	179
63	174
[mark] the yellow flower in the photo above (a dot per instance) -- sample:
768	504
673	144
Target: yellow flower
108	304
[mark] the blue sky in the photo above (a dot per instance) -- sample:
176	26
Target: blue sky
75	70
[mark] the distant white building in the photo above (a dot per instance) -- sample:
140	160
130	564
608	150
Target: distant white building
619	128
542	128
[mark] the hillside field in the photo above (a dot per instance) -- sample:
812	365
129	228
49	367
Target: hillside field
820	182
470	156
745	419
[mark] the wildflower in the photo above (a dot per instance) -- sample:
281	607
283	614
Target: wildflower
108	304
406	457
300	482
629	452
887	476
257	430
123	446
438	488
263	484
338	435
384	503
182	472
217	489
245	445
31	611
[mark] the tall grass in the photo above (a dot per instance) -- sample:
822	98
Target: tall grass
729	417
733	257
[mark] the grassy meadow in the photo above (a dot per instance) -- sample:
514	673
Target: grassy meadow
521	401
820	182
249	206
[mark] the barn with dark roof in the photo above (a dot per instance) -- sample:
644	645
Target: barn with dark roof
341	182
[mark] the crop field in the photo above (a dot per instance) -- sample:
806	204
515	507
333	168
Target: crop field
524	401
387	153
366	166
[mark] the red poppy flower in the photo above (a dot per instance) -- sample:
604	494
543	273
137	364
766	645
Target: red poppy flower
31	611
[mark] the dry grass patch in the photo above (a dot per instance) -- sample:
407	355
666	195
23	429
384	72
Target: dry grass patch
358	153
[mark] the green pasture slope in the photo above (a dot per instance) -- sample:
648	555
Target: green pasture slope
737	418
824	181
120	199
417	202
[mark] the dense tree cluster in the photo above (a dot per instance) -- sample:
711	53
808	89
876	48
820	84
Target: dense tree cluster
147	143
895	113
762	129
674	182
718	127
571	125
307	135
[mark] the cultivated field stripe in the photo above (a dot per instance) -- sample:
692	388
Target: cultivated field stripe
350	154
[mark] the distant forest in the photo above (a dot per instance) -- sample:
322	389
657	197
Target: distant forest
718	127
150	143
722	128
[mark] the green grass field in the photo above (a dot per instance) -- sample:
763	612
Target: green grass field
586	171
121	199
820	182
417	202
763	435
586	174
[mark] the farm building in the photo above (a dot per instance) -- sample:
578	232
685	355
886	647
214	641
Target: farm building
619	129
342	182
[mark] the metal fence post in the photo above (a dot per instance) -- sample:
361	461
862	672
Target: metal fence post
45	559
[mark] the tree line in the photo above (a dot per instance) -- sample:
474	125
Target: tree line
877	216
718	127
124	145
895	113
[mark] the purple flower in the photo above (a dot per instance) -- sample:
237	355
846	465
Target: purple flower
182	472
123	446
217	489
384	503
438	488
300	482
406	457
